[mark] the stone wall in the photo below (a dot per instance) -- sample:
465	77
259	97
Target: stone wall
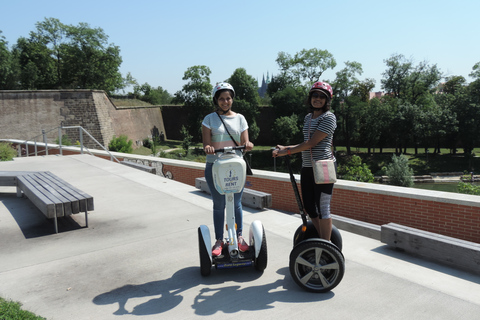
24	114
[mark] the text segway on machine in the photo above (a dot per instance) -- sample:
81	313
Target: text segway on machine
316	265
229	174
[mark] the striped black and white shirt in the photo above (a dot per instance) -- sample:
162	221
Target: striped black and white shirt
326	123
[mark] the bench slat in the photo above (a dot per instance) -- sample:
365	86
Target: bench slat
43	203
74	192
70	203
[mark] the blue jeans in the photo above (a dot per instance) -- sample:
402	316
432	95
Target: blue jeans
219	206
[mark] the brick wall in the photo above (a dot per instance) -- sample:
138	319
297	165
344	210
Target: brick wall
449	214
433	212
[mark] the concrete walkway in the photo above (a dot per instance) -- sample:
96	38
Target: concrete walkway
139	259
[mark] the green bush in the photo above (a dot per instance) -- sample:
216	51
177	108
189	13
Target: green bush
65	140
121	144
13	310
355	170
147	143
187	140
468	188
399	173
7	152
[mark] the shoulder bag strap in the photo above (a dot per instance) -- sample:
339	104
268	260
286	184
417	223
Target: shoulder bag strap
226	128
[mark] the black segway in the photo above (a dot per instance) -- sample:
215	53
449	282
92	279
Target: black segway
316	265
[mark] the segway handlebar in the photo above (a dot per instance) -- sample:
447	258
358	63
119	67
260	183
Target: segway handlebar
228	149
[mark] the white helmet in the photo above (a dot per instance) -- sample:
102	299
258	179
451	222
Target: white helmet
219	87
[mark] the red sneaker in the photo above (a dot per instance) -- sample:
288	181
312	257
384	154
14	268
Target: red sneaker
242	245
217	248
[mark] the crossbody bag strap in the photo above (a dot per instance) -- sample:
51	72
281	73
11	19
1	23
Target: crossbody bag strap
226	128
310	136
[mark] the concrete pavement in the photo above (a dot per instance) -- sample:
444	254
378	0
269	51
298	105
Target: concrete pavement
139	259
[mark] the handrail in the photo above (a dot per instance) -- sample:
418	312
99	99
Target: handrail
44	134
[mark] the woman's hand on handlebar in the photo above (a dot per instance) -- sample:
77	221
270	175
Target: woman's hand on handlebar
209	149
276	152
248	146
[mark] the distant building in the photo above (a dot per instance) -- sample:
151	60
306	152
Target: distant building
263	88
377	95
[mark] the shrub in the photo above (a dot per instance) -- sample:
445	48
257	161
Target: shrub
7	152
147	143
121	144
399	173
355	170
65	140
187	139
468	188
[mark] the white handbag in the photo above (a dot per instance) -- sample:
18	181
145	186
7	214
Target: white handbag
323	170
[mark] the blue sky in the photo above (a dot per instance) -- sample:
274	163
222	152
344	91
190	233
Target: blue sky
160	39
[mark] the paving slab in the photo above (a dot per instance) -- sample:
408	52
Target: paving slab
139	259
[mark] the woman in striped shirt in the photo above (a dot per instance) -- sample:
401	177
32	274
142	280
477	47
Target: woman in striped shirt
318	128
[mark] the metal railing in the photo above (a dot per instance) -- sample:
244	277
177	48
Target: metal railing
60	146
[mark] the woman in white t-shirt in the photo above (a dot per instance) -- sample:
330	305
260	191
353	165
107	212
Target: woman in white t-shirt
215	136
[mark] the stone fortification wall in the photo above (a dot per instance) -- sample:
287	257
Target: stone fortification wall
24	114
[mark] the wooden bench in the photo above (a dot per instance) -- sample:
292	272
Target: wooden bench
440	248
53	196
250	198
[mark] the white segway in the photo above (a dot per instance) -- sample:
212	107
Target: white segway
229	178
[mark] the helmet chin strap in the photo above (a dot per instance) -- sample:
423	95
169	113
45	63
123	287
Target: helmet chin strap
224	111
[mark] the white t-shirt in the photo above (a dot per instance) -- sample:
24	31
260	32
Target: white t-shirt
220	139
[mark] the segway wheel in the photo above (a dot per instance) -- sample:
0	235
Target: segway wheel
260	261
316	265
311	232
205	263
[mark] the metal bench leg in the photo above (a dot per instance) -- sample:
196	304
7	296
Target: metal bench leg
56	223
86	214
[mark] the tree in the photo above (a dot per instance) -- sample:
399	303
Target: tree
155	96
246	99
348	108
196	98
286	129
475	71
90	62
59	56
408	82
290	101
8	66
306	65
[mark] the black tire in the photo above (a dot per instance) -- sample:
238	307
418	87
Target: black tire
260	262
316	265
311	233
205	263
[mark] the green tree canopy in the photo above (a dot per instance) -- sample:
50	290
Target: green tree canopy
246	99
196	97
59	56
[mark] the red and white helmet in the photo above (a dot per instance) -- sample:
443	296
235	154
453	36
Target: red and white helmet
323	86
